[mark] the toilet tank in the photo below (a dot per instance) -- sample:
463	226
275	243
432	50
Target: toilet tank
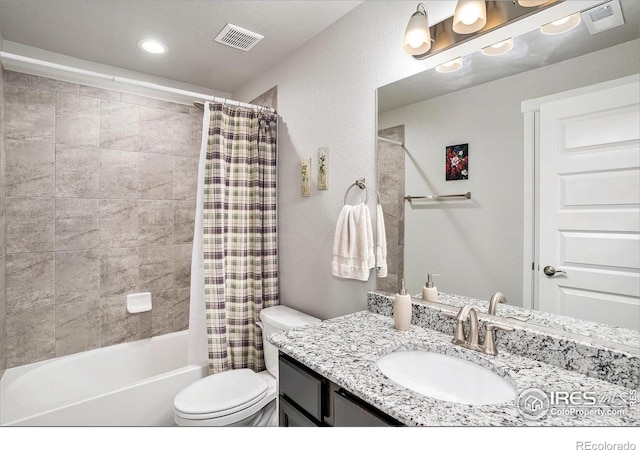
278	318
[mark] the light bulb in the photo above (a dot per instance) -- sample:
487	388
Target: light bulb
561	21
151	46
468	17
416	38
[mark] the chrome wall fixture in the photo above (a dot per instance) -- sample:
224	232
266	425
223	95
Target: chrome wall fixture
472	18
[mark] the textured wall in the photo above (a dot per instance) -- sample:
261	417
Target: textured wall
3	297
100	189
327	97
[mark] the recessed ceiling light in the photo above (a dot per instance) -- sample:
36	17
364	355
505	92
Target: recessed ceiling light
561	25
450	66
152	46
499	48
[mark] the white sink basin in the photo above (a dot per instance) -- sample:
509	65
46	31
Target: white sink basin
446	378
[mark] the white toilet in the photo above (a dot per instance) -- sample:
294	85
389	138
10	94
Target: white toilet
240	397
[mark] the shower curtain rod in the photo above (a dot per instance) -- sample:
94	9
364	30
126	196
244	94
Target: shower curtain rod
130	81
391	141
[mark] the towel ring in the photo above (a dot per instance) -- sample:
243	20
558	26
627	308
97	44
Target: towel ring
361	185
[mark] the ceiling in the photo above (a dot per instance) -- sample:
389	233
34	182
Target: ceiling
531	50
107	32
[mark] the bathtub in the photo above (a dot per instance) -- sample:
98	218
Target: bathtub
130	384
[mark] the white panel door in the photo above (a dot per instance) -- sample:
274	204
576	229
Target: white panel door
589	216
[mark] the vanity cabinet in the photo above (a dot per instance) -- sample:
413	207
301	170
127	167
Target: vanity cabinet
307	399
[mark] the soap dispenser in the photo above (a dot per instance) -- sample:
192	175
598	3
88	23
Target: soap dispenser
402	310
429	291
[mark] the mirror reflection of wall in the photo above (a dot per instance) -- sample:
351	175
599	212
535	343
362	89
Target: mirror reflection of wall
391	176
477	245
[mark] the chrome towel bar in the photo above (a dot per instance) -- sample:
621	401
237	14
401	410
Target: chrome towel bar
410	198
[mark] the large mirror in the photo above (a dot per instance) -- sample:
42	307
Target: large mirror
484	119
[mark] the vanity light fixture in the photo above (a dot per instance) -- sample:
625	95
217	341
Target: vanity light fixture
450	66
152	46
562	25
499	48
470	16
417	37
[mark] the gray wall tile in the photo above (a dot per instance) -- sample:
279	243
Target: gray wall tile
162	313
30	167
157	130
119	126
184	217
30	336
155	222
105	94
49	84
120	326
77	276
3	221
156	268
77	171
181	300
118	223
78	327
186	140
182	255
15	80
185	178
30	281
30	115
155	174
118	271
118	174
3	288
90	193
77	120
30	224
77	223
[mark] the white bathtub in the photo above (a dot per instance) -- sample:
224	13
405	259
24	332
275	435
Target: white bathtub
131	384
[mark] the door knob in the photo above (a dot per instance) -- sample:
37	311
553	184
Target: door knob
551	271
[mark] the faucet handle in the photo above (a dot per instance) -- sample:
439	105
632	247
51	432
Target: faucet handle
497	326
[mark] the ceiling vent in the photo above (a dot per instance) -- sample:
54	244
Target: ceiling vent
237	37
603	17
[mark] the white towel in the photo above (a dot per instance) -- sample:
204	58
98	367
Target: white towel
353	245
381	246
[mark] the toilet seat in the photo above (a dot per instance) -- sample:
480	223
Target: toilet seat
223	398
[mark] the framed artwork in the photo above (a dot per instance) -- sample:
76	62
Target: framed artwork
306	177
457	162
323	168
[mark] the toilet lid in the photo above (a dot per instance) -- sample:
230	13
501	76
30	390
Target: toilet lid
221	393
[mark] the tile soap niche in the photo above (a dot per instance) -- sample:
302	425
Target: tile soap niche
140	302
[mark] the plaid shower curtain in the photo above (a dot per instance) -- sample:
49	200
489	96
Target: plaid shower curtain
240	246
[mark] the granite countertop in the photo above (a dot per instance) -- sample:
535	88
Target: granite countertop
345	351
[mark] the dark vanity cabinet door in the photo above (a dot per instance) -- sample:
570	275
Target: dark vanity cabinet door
350	411
302	397
307	399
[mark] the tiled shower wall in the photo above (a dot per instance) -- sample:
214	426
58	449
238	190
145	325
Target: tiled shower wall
391	188
100	202
3	298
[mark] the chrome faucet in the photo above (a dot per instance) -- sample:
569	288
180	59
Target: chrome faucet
496	298
470	341
499	297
